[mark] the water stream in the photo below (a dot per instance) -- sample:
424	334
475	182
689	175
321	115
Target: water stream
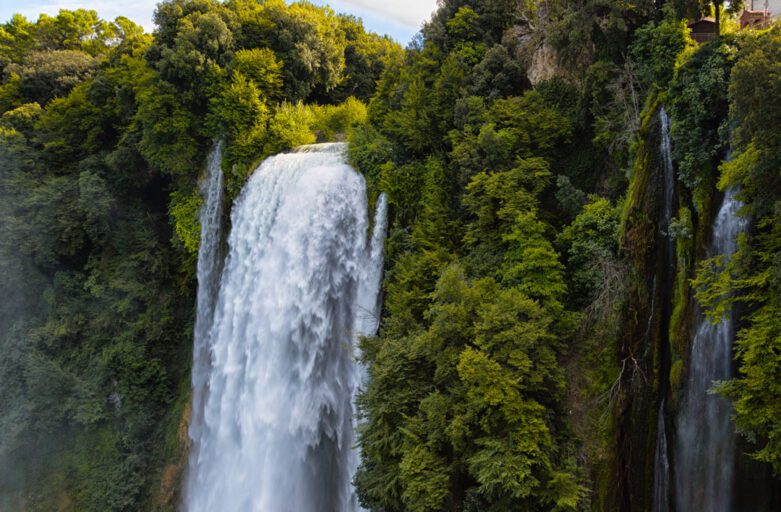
300	284
705	441
661	485
208	271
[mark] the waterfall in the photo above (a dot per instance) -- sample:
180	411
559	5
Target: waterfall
208	270
705	442
661	485
661	497
367	306
300	284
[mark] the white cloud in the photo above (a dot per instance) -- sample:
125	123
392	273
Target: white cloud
411	13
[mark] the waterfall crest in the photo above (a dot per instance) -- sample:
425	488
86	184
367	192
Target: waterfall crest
705	446
300	283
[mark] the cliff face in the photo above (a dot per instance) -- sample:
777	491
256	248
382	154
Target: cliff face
641	352
659	325
543	65
549	229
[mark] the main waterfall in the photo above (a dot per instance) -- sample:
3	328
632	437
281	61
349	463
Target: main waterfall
299	285
705	446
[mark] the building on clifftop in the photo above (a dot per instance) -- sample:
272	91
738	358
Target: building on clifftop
703	30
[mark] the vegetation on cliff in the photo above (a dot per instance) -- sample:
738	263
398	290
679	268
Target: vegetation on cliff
519	354
529	190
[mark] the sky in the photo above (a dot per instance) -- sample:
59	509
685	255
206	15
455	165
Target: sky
400	19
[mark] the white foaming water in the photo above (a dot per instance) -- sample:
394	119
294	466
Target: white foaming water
300	284
705	444
661	497
367	310
208	282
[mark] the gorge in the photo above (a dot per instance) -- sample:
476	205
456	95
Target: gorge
257	257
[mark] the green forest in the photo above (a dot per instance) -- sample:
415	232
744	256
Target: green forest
532	329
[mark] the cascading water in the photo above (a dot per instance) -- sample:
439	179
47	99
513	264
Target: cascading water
705	441
661	489
208	281
367	305
661	498
300	283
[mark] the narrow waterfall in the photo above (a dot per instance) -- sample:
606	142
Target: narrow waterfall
661	498
661	489
300	284
367	308
208	269
705	442
368	303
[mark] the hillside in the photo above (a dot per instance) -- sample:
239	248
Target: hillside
581	292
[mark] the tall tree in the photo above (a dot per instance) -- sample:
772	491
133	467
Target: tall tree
733	6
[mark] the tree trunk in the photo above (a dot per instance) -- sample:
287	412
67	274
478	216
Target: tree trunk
717	8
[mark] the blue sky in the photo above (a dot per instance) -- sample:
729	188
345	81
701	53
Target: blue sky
400	19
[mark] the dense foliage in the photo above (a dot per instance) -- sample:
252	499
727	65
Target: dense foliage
752	276
506	214
465	408
521	359
103	131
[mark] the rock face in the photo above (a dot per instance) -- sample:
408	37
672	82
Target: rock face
543	64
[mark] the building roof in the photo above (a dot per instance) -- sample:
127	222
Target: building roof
707	20
754	19
755	13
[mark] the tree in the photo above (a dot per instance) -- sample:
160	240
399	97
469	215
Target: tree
751	275
260	65
311	42
47	74
734	6
463	403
